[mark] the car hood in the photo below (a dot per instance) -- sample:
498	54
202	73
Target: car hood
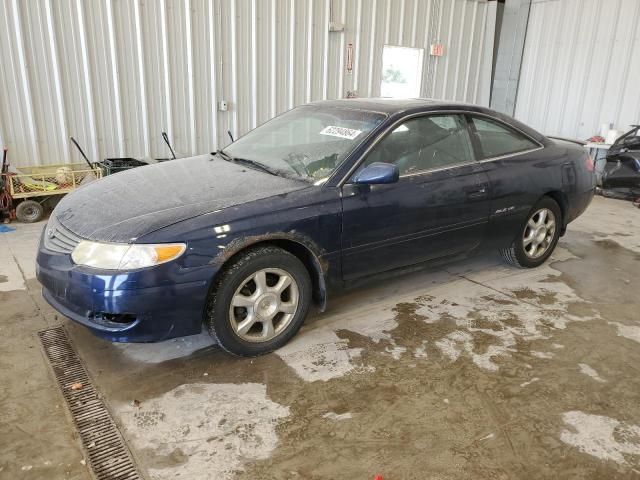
129	204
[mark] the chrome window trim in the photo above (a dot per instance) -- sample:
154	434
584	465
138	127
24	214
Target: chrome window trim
515	154
358	162
475	162
439	169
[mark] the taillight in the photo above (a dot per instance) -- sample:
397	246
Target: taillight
588	162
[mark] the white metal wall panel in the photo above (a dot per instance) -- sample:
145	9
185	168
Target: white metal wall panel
114	74
581	66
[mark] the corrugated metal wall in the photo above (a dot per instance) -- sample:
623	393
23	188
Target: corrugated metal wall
581	66
116	73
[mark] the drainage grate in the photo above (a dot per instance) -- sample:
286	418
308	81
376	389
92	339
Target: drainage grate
108	455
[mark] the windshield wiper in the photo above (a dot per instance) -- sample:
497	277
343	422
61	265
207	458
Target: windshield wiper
245	161
255	165
222	155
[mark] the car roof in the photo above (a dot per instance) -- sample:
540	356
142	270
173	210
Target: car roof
396	105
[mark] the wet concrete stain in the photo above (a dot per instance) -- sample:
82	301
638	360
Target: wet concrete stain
498	300
547	298
602	437
204	428
425	414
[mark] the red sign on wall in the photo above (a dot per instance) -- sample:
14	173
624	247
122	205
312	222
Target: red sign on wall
437	50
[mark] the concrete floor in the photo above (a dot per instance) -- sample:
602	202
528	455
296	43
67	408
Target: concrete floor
472	370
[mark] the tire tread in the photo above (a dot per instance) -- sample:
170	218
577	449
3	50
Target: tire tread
23	205
509	255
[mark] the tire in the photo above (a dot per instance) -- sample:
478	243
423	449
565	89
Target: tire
522	252
29	211
239	282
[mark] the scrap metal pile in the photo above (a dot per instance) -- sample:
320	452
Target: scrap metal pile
621	174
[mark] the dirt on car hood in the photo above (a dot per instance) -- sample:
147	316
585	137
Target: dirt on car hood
129	204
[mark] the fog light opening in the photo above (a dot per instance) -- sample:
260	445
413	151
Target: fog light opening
118	318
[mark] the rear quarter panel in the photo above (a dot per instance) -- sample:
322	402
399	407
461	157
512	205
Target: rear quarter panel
519	181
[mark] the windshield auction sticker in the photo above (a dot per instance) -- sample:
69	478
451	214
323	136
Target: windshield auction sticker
340	132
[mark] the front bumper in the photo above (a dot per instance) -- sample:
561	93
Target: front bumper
146	305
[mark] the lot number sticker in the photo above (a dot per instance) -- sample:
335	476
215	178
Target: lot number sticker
341	132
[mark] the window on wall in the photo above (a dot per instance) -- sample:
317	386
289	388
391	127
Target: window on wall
401	72
497	139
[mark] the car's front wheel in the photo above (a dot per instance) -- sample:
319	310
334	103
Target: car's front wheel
259	302
538	237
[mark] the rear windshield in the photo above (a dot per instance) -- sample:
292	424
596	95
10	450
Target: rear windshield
308	142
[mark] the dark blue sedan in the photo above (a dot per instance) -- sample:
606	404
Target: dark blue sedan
243	240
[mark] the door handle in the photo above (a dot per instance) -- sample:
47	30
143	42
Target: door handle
479	192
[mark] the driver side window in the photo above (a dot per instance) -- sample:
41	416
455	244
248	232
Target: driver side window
425	143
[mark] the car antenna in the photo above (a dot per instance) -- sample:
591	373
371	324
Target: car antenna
230	135
166	140
81	152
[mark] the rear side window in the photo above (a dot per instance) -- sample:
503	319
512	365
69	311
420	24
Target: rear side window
496	139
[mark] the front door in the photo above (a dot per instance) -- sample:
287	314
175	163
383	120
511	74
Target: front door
439	207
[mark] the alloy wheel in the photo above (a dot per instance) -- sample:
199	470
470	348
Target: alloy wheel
264	305
538	233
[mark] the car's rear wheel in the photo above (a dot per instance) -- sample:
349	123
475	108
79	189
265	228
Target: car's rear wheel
538	237
259	302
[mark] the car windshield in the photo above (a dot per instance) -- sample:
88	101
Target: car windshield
308	142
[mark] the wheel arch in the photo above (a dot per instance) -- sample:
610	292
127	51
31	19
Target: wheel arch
303	249
563	202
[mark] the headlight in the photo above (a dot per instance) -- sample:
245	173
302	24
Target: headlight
118	256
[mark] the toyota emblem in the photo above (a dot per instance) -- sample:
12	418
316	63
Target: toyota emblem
50	232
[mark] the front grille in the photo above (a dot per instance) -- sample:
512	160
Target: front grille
58	238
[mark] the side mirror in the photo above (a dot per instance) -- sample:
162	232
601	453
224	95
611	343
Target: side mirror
377	173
